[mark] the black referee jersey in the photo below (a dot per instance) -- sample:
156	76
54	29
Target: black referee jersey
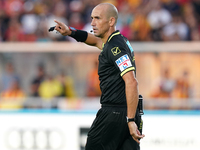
115	60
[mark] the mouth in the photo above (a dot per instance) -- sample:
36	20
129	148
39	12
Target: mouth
94	29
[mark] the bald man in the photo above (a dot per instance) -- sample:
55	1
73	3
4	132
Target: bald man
118	123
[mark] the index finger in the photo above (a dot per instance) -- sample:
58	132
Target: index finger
138	137
59	23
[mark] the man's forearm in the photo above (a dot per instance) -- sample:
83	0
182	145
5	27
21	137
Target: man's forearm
132	98
92	40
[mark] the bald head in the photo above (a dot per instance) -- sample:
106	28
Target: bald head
109	10
104	18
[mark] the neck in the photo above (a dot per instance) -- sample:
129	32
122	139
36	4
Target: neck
107	34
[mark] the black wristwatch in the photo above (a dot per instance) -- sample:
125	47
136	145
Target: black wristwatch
130	119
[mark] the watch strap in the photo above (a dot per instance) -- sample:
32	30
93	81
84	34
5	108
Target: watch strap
130	120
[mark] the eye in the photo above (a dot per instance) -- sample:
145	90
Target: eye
97	17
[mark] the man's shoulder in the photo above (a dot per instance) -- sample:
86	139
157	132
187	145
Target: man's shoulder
118	41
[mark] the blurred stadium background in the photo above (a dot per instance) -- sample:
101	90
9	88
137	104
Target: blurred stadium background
49	92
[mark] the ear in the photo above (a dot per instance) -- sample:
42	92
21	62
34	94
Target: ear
112	21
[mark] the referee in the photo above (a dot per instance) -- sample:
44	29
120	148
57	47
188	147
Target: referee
117	123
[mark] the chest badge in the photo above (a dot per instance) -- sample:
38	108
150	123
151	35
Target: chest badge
115	51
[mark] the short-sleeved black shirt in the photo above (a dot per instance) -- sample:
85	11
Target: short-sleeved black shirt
115	60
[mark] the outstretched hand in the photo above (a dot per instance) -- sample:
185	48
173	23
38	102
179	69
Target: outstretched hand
135	133
62	28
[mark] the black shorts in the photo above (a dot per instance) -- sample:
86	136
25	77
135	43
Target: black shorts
110	131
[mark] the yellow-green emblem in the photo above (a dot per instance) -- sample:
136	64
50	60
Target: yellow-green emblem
115	51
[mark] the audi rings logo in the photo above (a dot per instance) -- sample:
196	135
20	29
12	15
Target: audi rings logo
38	139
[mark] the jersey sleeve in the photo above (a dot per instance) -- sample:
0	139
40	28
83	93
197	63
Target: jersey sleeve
122	60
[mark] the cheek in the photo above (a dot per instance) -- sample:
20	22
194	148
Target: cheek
99	25
102	26
105	28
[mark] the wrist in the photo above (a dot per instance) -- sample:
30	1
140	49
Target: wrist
130	119
72	31
78	35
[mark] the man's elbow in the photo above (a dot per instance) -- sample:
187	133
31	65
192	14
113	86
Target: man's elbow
134	82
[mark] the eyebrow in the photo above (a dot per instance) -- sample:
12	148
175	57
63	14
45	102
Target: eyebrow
95	17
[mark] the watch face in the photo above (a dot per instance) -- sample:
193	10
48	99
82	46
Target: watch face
127	119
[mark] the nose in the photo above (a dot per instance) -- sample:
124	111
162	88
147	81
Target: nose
92	22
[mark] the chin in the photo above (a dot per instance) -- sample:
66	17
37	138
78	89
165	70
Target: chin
97	35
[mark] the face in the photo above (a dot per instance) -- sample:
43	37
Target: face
100	21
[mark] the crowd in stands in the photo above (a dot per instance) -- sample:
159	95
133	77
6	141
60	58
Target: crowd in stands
168	87
139	20
42	85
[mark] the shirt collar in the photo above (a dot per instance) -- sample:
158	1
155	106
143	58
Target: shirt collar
113	34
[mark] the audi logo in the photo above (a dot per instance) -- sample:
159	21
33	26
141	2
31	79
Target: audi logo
37	139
